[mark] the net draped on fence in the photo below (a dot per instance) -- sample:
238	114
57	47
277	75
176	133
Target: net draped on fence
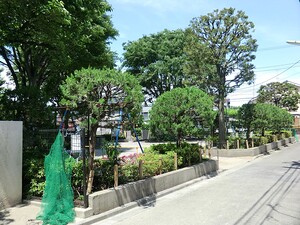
57	203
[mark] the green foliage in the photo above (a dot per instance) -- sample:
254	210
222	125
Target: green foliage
189	153
163	148
102	92
151	165
245	117
286	133
157	60
232	112
104	174
220	44
33	170
99	94
259	140
181	112
284	95
41	42
35	173
264	117
129	173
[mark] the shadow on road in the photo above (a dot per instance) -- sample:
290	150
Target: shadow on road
278	190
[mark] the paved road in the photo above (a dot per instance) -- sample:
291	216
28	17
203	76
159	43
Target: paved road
264	191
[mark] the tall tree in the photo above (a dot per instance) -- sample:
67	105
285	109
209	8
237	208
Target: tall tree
246	117
220	51
181	112
43	41
284	95
157	60
99	94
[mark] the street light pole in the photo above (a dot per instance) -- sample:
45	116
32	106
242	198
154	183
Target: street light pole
293	42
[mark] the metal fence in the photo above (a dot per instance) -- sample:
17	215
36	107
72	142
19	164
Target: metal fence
74	144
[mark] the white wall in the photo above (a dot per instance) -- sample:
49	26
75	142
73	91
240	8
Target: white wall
11	139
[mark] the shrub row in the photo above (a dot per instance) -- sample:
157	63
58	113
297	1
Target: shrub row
156	159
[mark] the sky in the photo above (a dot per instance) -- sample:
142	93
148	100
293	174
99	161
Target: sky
276	21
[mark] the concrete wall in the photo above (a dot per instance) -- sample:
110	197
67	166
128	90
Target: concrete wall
11	139
252	151
105	200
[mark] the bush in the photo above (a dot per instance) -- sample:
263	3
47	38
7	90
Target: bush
129	167
33	172
260	140
163	148
242	143
104	174
189	154
151	163
286	133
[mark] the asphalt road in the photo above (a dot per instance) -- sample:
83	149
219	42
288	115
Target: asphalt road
263	191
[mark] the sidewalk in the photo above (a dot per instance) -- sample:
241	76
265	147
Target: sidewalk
25	214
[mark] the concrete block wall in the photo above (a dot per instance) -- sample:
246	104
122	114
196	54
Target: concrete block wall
11	139
105	200
251	151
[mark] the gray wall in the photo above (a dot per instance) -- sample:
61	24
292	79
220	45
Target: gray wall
105	200
11	139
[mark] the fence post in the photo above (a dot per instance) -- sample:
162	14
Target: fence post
160	165
175	161
141	169
116	180
200	155
252	142
238	143
82	139
227	144
247	144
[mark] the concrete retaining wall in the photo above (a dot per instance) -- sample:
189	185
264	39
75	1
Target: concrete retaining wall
251	151
103	201
11	139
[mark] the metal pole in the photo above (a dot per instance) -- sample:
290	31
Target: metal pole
85	197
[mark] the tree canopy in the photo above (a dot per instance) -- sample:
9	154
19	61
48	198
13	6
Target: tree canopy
43	41
284	95
263	116
220	50
181	112
157	60
99	94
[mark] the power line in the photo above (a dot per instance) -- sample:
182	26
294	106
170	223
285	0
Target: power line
272	68
290	67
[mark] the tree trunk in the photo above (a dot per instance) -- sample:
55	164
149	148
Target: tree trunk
222	128
222	91
92	145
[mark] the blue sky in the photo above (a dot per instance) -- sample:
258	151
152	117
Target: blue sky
276	21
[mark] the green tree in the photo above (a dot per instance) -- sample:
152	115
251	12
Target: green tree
246	117
263	116
284	95
41	42
157	60
181	112
282	119
220	50
99	94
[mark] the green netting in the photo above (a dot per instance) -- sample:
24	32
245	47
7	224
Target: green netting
57	203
